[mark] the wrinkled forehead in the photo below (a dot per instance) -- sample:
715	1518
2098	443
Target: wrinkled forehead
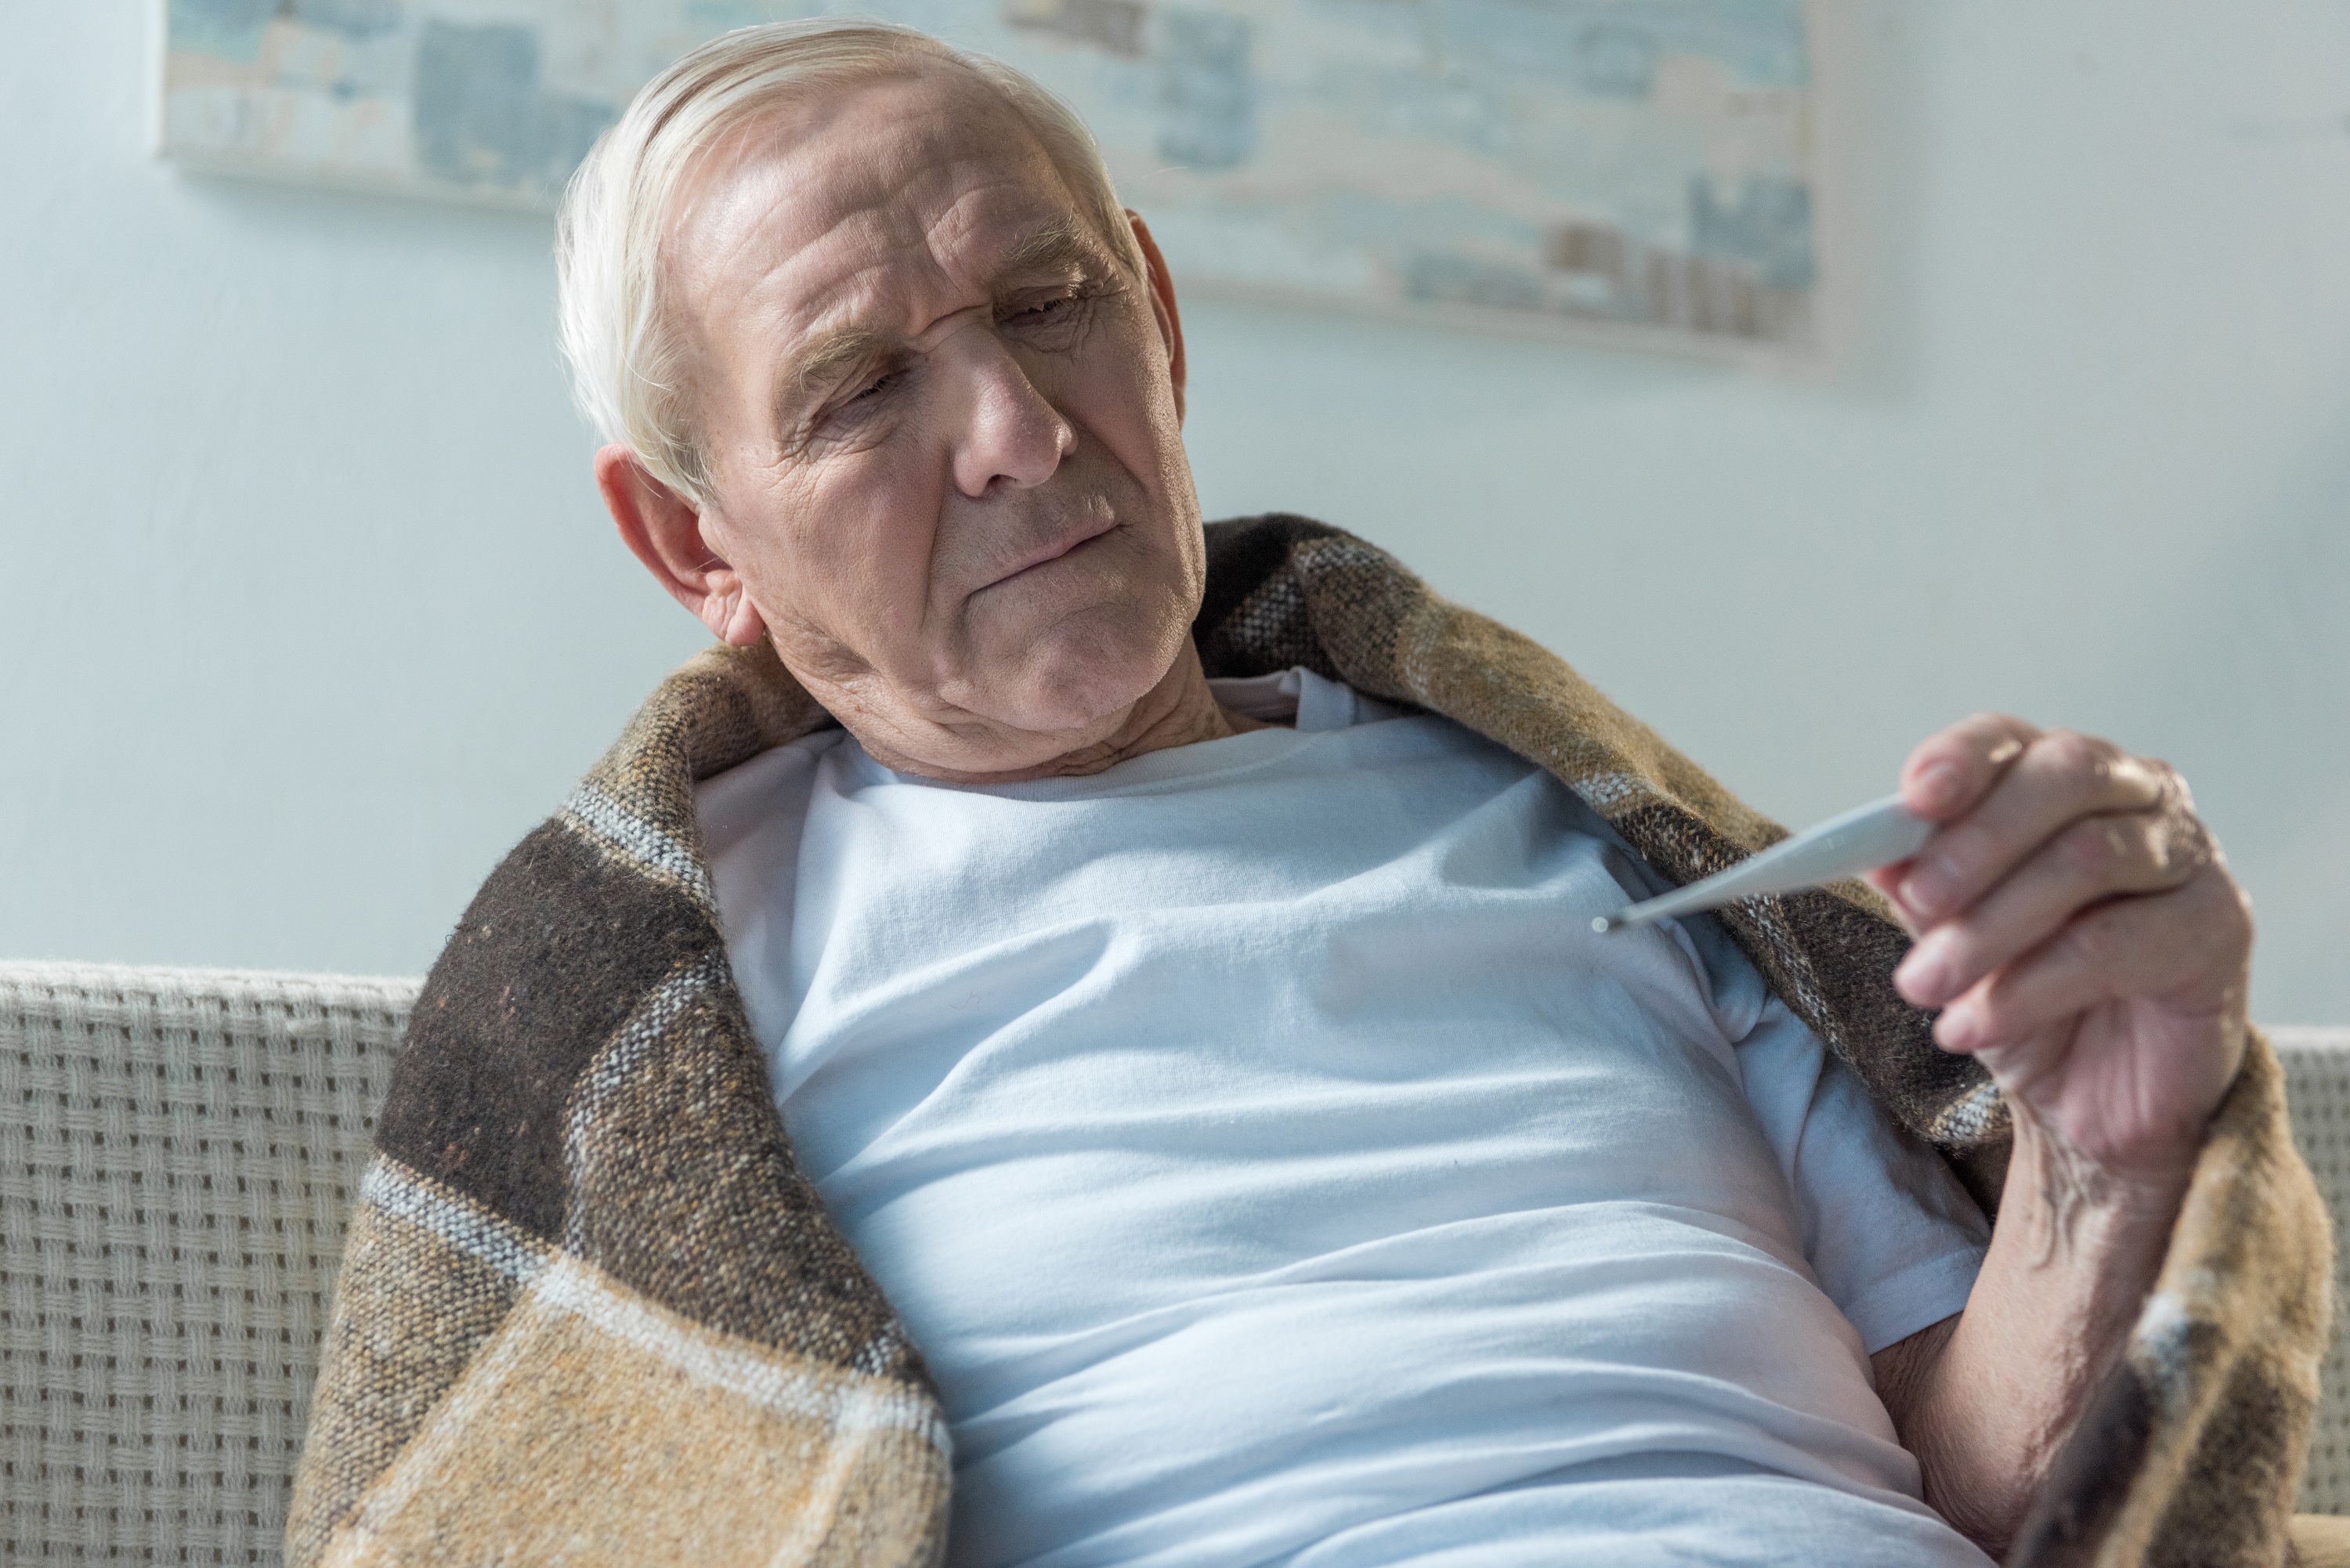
883	195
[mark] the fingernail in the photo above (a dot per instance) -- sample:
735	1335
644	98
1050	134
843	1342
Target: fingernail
1925	974
1929	885
1957	1027
1939	784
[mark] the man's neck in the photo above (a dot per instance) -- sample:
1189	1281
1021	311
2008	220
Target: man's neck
1180	710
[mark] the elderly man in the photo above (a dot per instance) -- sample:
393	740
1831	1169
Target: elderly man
952	1022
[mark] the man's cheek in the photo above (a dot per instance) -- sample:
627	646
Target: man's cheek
873	537
1110	404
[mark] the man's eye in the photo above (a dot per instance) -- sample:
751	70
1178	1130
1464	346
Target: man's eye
866	396
1047	310
853	405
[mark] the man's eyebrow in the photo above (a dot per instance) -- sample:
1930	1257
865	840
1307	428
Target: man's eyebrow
830	355
1067	246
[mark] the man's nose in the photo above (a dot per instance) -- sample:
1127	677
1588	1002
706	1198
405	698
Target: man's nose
1011	432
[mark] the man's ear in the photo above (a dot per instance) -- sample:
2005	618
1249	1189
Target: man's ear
1162	303
663	530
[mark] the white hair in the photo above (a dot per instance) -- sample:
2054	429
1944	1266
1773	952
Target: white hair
628	362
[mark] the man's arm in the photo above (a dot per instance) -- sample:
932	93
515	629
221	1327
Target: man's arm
1983	1399
2081	934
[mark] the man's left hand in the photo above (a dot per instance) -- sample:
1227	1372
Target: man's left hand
2082	935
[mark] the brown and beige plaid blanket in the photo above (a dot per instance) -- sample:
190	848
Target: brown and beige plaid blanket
591	1312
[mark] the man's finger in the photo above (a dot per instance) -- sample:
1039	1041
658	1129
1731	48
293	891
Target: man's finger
1949	772
2054	778
2182	942
2091	859
1944	777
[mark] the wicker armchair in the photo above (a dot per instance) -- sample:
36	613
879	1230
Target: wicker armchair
178	1150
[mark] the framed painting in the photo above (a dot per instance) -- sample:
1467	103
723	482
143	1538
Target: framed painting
1642	171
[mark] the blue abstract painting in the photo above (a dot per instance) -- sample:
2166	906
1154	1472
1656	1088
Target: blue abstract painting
1645	169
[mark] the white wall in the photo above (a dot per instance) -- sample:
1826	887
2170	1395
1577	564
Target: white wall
308	609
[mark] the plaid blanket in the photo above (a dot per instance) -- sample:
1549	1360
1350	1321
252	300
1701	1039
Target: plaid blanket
591	1312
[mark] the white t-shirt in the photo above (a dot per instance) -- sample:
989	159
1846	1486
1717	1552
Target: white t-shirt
1274	1167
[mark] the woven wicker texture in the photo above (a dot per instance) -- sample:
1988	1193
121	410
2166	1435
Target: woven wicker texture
2317	1089
177	1151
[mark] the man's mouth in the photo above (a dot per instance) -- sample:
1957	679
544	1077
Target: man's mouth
1044	554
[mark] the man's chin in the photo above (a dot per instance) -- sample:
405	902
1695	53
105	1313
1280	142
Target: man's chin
1079	681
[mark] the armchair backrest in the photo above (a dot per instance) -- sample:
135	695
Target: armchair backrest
2317	1091
178	1151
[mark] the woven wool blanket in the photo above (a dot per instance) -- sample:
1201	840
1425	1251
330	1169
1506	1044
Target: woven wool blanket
591	1312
